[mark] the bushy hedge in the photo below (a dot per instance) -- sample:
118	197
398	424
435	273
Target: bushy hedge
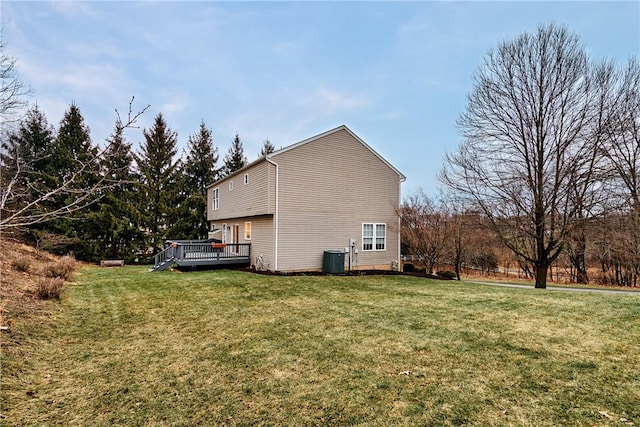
447	274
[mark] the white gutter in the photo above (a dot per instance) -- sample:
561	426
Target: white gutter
275	218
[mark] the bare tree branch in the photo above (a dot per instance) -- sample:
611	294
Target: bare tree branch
23	204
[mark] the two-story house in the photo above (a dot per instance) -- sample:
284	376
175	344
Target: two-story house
329	192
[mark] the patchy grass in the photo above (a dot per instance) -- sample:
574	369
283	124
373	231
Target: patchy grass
231	348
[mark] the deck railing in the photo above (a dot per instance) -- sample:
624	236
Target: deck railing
203	251
166	255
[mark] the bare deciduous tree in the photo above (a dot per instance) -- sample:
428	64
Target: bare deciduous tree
423	228
526	141
12	88
622	151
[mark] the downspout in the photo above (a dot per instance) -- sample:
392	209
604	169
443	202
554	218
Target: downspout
400	181
275	218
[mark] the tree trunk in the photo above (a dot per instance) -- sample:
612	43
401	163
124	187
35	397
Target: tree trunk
578	258
541	274
582	277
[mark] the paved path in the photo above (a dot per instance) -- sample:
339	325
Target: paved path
557	288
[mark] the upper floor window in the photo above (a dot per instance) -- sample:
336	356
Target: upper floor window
215	200
246	178
374	237
230	185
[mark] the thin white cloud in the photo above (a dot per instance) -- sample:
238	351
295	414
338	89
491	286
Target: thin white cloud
72	8
331	101
177	103
94	80
286	49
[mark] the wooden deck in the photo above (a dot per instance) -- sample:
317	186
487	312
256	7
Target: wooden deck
194	253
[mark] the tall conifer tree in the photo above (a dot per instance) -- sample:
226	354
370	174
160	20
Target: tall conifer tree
118	218
235	158
198	171
267	148
158	187
24	161
74	159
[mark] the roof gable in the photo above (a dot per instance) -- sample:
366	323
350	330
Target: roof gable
306	141
329	132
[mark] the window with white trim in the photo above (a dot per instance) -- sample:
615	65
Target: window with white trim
374	237
230	185
247	230
215	199
246	178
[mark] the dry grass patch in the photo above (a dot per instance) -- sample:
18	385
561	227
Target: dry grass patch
231	348
49	287
62	268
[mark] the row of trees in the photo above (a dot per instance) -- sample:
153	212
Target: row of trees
69	194
550	156
439	233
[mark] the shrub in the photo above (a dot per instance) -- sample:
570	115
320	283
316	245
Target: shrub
485	261
50	287
408	268
447	274
63	268
21	264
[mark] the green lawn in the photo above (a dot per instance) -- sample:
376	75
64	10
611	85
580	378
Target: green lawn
231	348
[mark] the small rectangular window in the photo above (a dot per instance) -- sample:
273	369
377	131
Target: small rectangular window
246	178
215	203
374	237
230	185
367	237
247	230
381	237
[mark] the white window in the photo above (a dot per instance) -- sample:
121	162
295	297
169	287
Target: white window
246	178
374	237
215	203
247	230
230	185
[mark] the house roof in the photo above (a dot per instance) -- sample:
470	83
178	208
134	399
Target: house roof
306	141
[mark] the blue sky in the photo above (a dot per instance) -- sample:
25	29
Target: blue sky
396	73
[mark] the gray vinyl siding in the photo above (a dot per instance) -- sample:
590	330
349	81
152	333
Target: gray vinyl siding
255	198
328	188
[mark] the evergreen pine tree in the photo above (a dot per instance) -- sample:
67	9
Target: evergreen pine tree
267	148
158	187
74	148
198	171
118	218
74	159
235	158
24	161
